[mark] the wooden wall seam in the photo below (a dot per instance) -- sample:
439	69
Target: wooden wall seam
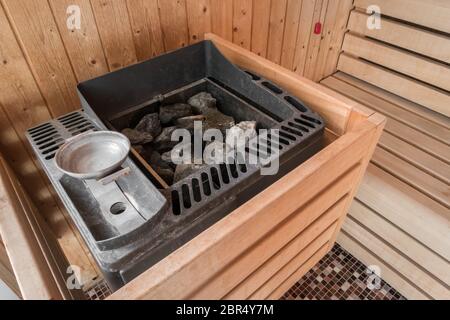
277	27
99	38
63	45
337	42
260	27
242	22
294	9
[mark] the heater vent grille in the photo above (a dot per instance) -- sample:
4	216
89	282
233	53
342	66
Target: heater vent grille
203	185
48	137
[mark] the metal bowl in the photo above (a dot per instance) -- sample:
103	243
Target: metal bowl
92	155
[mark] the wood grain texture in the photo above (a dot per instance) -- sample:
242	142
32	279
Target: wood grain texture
199	19
33	274
431	44
329	24
267	291
401	219
320	11
45	51
22	106
407	208
411	89
146	27
395	58
19	94
265	272
431	13
294	8
276	30
222	18
298	273
409	246
420	159
83	45
242	22
339	30
289	234
115	32
404	62
411	107
358	92
304	31
260	27
404	131
174	23
432	187
7	272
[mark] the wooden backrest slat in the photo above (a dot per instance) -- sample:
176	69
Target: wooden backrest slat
432	14
406	87
405	56
415	66
424	113
421	41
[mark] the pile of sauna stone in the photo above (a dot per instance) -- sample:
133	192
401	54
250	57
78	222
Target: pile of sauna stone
152	137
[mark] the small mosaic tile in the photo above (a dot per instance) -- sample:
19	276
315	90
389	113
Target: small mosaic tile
98	291
340	276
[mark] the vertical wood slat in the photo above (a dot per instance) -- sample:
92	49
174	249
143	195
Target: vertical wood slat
290	33
199	19
174	23
260	26
222	18
337	38
315	39
304	31
146	28
324	48
44	49
83	45
19	94
115	32
276	30
242	23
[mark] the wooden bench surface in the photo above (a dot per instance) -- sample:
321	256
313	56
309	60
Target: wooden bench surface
400	219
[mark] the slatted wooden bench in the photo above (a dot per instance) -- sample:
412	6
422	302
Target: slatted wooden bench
400	220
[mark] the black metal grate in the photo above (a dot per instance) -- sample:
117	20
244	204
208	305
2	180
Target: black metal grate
98	291
48	137
291	132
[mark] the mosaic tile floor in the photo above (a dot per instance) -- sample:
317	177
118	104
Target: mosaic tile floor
98	291
340	276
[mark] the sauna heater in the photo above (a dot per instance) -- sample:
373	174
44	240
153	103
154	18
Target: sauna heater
140	218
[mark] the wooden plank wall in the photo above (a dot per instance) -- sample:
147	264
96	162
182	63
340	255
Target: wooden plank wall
41	61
